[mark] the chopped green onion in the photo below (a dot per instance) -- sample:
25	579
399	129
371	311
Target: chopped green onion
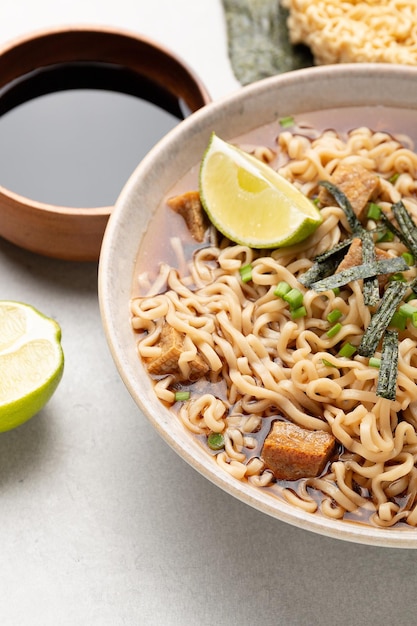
365	270
374	362
347	350
394	177
294	297
300	311
215	441
407	310
387	379
334	315
344	204
381	318
398	321
374	212
286	122
332	332
386	235
328	363
414	320
246	272
182	396
408	258
398	276
281	289
336	291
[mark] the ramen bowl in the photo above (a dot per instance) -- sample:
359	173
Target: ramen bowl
112	59
380	96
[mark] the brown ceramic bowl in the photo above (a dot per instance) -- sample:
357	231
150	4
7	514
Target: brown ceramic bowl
76	233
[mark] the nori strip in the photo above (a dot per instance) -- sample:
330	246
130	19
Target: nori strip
318	271
337	249
370	285
387	222
258	40
382	317
357	272
325	263
407	226
388	373
344	204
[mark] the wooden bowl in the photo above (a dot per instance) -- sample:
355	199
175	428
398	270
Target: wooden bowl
76	233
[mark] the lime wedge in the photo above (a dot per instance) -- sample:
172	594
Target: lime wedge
31	362
249	202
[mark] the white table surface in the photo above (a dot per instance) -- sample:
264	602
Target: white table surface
101	524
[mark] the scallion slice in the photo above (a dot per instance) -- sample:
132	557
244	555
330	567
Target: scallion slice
281	289
374	362
215	441
332	332
294	297
182	396
299	312
334	316
286	122
398	321
374	212
246	272
347	350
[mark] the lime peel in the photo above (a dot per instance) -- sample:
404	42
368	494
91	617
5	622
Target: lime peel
249	202
31	362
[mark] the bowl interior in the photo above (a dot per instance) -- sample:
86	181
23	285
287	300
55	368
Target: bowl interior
301	91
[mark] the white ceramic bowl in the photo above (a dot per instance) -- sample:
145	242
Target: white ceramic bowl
289	94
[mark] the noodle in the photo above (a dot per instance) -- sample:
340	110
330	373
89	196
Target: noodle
355	31
263	364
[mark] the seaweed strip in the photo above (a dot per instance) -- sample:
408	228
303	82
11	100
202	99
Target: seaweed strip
407	226
357	272
317	271
382	317
388	373
371	284
387	222
325	263
337	249
344	204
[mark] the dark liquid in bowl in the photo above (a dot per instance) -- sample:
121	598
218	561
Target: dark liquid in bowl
72	134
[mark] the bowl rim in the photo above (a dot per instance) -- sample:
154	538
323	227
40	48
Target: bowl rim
403	537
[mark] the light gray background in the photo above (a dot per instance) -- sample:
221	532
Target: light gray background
101	524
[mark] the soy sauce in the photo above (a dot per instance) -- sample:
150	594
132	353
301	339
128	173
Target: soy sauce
72	134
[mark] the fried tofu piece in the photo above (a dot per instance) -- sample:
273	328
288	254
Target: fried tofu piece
357	183
172	344
189	206
292	452
354	258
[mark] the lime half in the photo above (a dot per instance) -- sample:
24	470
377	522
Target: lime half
31	362
249	202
